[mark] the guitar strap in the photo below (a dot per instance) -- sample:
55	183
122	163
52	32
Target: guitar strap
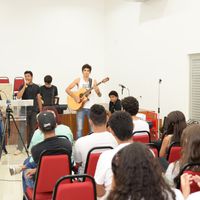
90	82
52	96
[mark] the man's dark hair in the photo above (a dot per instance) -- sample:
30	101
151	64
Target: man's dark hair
28	72
122	125
98	115
48	79
114	93
86	66
130	105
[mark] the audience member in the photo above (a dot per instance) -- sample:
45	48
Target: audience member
137	175
47	124
186	180
121	126
131	105
60	129
190	142
99	137
173	127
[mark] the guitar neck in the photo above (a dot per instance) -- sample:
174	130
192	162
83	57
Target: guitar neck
89	90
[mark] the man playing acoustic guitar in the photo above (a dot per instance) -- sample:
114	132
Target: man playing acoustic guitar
81	100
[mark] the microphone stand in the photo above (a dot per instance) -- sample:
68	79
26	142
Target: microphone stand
7	127
2	141
122	90
159	83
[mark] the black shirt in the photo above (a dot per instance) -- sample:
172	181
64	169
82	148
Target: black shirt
31	92
115	106
49	144
48	95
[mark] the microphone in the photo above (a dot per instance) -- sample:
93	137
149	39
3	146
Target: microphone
122	86
160	80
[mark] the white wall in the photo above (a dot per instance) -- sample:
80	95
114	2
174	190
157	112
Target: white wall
152	40
53	37
135	44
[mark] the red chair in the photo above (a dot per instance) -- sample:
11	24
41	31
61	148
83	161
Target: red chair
193	186
18	81
92	159
174	152
189	169
53	165
141	136
82	190
4	79
154	148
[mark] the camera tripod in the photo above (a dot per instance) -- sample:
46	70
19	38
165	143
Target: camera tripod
9	116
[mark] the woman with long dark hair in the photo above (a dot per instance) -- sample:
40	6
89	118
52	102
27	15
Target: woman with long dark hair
173	127
137	176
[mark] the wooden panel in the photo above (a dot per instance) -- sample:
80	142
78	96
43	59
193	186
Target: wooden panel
70	120
67	119
13	138
153	118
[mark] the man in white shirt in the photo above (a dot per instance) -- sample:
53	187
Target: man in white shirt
131	105
99	137
84	82
121	126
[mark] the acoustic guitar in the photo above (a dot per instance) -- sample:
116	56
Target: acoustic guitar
83	94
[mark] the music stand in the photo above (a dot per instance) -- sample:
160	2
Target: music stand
14	110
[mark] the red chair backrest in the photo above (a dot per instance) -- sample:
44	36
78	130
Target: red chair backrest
153	148
174	154
141	138
92	163
76	190
50	169
155	151
18	81
92	159
193	186
4	79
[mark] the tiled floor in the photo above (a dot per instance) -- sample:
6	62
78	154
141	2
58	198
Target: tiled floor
10	186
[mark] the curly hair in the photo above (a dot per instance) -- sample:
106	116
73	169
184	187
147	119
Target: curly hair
122	125
130	105
138	175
